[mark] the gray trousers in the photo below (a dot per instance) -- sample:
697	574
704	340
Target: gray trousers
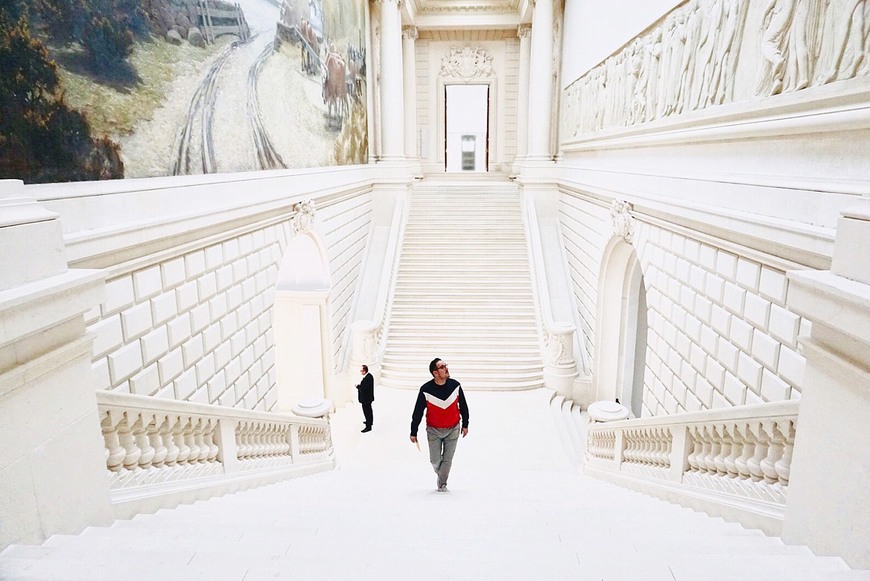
442	446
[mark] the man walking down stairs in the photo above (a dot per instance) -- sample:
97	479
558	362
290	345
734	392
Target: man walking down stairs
463	289
518	510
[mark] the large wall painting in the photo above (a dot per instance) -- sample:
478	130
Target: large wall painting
107	89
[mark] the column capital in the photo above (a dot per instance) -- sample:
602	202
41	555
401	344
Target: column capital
524	30
409	32
399	3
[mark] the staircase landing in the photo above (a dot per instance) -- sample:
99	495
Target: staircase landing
517	509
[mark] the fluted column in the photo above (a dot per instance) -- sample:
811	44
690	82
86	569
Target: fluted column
392	102
524	31
541	82
409	37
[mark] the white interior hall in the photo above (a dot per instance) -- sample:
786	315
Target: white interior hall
668	207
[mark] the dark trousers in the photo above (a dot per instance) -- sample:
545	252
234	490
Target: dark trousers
367	412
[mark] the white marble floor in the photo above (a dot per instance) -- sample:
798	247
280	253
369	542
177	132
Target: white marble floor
517	509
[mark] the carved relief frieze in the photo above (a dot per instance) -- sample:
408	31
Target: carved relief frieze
467	63
303	218
706	53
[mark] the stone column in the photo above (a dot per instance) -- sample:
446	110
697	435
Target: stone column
827	507
524	31
392	102
409	36
541	82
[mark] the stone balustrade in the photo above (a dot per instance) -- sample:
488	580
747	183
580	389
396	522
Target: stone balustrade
163	448
732	462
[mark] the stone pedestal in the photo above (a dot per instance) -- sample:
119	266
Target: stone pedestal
828	504
52	463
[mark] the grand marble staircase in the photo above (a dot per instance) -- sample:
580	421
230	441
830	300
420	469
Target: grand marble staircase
463	289
517	510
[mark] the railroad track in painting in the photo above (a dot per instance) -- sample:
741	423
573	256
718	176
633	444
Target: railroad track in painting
196	134
267	156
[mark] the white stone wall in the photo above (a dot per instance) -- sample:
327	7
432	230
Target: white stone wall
719	331
585	232
503	47
346	228
194	325
194	322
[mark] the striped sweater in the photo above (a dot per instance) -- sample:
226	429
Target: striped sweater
443	404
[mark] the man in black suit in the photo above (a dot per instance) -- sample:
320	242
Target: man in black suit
366	395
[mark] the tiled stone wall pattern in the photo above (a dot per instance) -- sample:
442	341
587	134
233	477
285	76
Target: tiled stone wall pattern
585	232
719	333
346	226
195	327
198	326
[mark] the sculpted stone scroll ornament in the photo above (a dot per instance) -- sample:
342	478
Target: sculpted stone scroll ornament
303	218
696	57
524	31
467	63
623	222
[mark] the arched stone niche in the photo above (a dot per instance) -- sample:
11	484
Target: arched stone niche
301	316
621	324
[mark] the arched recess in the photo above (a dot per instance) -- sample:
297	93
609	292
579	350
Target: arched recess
620	350
300	321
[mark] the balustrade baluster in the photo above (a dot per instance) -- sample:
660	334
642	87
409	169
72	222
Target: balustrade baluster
712	450
732	434
697	449
258	440
128	442
774	452
627	450
168	430
241	440
180	435
274	443
210	434
761	443
140	434
156	439
647	449
199	430
115	453
748	451
783	465
724	448
285	442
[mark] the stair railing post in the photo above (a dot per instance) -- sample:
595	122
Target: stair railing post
229	448
619	450
295	448
680	448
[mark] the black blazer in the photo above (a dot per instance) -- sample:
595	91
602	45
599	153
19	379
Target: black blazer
366	389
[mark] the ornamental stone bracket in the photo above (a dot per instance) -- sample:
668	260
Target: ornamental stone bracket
623	222
467	63
303	218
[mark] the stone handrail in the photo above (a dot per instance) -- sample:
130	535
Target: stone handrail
731	462
160	447
559	337
368	336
